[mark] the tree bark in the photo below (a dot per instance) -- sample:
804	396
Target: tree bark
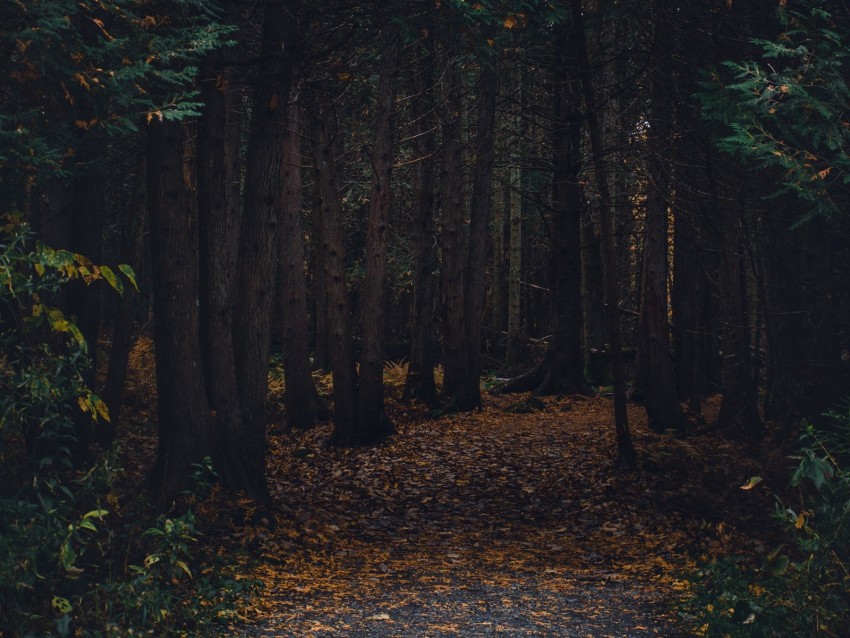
420	383
219	216
655	360
373	423
468	392
562	368
739	413
304	407
625	448
183	411
323	131
452	241
258	238
514	193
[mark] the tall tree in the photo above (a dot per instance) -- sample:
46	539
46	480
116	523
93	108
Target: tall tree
219	215
372	421
468	393
625	447
182	408
304	407
562	367
323	131
420	383
258	235
655	360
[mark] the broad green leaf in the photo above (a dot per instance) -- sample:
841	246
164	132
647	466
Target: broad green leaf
129	274
111	279
86	524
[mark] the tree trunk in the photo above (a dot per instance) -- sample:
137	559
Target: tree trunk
655	360
562	368
625	448
452	242
219	216
739	413
258	239
183	412
323	131
304	407
419	383
372	421
593	300
514	192
468	393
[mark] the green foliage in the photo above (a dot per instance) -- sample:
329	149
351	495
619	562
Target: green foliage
787	110
68	562
77	74
802	589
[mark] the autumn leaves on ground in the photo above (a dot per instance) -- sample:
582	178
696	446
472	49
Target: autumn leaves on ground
508	521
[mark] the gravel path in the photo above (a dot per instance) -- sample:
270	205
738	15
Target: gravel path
472	525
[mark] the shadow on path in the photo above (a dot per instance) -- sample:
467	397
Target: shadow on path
471	525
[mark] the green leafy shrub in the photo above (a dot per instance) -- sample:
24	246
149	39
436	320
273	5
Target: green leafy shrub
802	588
69	563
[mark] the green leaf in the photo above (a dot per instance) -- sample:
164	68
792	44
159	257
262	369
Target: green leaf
98	514
129	274
62	605
111	279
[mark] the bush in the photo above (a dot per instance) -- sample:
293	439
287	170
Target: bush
69	564
802	589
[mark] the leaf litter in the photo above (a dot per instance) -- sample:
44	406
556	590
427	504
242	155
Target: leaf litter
495	522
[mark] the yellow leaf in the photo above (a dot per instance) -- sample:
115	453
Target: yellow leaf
801	520
101	408
755	480
184	567
510	21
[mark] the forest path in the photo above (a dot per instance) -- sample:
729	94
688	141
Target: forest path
491	523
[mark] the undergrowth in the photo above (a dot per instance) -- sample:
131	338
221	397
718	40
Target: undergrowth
77	558
801	588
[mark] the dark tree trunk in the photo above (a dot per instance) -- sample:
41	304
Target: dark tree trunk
625	448
372	421
304	407
323	131
183	411
566	373
562	368
593	301
320	323
258	239
218	222
419	383
452	239
655	360
468	393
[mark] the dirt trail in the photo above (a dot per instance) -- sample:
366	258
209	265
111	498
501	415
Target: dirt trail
491	523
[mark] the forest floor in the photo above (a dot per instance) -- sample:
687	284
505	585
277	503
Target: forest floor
509	521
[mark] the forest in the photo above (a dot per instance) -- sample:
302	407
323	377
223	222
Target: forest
424	318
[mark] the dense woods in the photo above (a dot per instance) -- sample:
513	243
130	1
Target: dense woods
634	198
